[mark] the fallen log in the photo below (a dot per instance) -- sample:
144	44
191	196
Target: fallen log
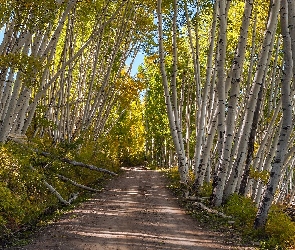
77	163
195	198
77	184
66	160
19	138
73	197
210	210
53	190
91	167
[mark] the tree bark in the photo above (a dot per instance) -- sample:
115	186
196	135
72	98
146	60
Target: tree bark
264	206
251	104
173	120
236	73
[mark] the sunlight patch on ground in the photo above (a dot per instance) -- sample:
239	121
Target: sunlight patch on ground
166	238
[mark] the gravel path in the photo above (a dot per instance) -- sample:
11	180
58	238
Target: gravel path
136	211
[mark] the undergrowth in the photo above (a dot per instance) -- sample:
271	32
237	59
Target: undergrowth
25	202
279	233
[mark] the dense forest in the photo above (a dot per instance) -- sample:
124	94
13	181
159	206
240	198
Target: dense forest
213	97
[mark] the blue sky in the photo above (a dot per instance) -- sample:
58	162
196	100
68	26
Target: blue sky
138	60
1	34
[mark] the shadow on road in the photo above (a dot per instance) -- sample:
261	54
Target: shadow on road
136	211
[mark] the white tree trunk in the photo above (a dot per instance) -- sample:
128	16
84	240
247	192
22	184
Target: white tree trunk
237	67
286	127
183	166
200	169
251	105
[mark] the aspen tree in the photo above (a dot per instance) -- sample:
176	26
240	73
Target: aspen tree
200	118
173	118
272	88
251	104
291	21
286	126
232	103
200	168
220	86
265	165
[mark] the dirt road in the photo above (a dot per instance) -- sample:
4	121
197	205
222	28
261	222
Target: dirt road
135	212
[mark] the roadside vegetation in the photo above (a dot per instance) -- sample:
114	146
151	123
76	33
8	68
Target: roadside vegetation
238	228
26	199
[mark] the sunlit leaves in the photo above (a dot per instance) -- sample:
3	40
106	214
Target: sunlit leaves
128	88
234	23
34	14
126	141
259	175
27	65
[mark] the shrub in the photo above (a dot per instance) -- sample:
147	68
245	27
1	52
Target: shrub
174	177
242	209
279	232
280	229
10	208
24	199
206	190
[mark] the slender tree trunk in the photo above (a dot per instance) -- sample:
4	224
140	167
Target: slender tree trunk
251	142
251	104
200	169
265	165
275	174
183	166
236	73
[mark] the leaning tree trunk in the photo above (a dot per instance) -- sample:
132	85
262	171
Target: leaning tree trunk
172	116
233	100
250	106
275	174
220	86
200	168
